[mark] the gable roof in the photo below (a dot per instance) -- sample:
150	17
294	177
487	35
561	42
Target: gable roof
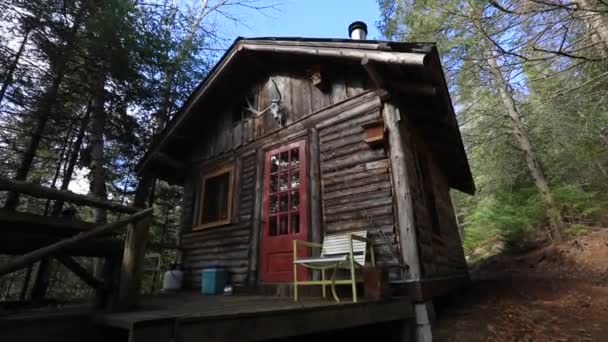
244	53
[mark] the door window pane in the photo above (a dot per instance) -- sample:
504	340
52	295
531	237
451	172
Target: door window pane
295	179
295	158
284	161
295	223
283	203
295	200
274	186
283	228
272	226
274	206
274	163
283	183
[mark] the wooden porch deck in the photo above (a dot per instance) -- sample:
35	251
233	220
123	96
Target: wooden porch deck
189	317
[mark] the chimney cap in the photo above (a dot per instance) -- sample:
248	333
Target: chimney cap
357	25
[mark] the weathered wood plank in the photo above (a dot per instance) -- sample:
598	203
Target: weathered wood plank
358	182
237	135
282	323
373	115
354	84
315	187
40	191
338	88
255	231
346	150
319	99
358	206
379	164
356	178
361	224
357	199
295	130
401	179
356	191
301	98
206	243
24	260
350	161
349	114
360	214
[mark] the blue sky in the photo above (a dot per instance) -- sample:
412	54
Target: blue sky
309	18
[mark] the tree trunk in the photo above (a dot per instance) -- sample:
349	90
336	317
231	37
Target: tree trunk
521	136
44	109
597	21
98	172
63	155
67	175
8	79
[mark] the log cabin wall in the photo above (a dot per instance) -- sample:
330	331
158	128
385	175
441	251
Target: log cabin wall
226	246
356	183
226	140
439	245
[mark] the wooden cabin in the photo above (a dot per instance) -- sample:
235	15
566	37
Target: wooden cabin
291	138
294	138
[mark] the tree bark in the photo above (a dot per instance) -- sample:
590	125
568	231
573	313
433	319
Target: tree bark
98	172
596	21
8	79
67	175
523	140
63	155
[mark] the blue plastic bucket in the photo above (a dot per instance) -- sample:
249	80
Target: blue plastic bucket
213	280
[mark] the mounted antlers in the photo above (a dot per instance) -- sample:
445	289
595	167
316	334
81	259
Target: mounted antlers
274	106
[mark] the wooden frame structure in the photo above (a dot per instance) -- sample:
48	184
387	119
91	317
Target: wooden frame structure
110	294
370	113
202	196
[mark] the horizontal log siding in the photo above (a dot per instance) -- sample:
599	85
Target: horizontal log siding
440	254
226	246
221	139
448	252
356	183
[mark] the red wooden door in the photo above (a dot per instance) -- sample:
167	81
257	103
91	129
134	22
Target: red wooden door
284	211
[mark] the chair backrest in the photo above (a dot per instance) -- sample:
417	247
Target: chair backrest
337	244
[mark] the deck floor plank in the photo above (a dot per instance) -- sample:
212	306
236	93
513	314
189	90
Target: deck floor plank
194	317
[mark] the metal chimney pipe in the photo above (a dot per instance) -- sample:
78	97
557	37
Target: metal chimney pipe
357	30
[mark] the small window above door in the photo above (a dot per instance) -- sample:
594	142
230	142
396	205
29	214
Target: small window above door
215	198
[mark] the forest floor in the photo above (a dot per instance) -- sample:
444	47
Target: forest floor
553	293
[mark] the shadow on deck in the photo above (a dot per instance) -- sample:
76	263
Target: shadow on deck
193	317
189	317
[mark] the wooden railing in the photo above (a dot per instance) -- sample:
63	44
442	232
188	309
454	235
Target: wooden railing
121	296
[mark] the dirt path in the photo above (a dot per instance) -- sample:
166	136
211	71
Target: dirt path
526	309
557	293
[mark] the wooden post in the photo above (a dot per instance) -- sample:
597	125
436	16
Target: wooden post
41	281
316	213
254	254
131	269
187	213
403	198
315	188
